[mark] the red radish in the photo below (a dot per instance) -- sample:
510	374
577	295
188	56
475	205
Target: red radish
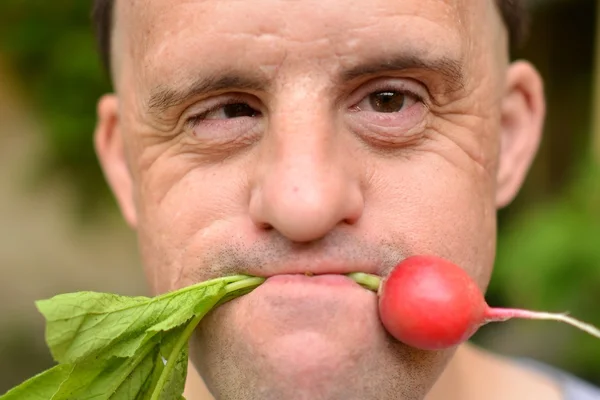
432	304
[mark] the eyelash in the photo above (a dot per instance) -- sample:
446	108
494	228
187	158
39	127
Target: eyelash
387	87
195	119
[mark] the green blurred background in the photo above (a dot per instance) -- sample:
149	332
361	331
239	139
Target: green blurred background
61	231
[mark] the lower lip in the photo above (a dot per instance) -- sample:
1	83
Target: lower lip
324	280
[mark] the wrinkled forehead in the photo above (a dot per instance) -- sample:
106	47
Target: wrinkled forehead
167	39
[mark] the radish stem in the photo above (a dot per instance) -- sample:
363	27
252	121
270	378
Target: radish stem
248	283
504	314
240	288
368	281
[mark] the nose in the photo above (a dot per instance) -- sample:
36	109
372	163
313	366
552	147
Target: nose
306	182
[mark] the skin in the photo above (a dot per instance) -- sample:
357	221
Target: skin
315	175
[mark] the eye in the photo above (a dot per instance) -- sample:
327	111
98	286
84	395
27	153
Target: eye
226	111
387	101
233	110
389	111
225	118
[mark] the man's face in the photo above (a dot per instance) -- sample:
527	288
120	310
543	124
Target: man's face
273	137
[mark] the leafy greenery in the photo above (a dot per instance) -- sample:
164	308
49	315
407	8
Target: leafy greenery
124	348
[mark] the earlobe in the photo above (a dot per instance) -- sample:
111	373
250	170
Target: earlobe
110	149
522	121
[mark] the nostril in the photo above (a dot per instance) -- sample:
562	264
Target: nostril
350	221
264	226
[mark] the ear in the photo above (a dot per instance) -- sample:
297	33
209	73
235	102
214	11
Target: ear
110	150
522	121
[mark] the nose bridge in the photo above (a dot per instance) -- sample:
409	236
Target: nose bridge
305	155
305	188
306	169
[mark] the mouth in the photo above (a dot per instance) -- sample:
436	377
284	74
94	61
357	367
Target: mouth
367	281
311	279
323	273
318	270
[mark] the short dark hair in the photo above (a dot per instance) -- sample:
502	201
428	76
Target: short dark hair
513	12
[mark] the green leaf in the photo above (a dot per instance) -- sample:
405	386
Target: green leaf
178	374
170	383
40	387
86	323
135	385
124	348
159	363
115	378
122	378
175	383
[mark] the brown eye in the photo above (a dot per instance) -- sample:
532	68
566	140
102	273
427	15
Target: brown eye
387	101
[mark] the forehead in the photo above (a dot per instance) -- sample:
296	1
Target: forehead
167	39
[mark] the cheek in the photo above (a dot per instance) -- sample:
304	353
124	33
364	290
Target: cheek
181	202
429	204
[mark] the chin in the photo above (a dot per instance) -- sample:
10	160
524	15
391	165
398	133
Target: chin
303	342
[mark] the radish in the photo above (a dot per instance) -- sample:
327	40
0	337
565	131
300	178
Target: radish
432	304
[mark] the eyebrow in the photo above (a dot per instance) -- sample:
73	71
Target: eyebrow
163	98
451	70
